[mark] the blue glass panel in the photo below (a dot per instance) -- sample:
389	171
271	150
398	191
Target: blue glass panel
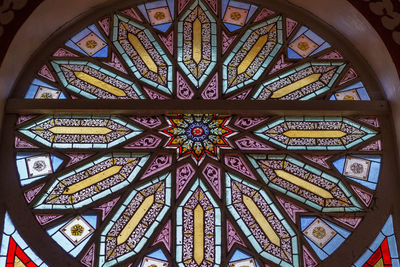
10	231
89	42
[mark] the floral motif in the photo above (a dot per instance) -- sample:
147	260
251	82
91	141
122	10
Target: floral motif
198	134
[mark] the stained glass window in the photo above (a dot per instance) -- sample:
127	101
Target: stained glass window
199	133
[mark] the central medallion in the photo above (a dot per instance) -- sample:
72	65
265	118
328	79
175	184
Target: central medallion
198	134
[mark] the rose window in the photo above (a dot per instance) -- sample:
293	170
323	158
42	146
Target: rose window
199	133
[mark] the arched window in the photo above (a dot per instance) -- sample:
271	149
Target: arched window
198	133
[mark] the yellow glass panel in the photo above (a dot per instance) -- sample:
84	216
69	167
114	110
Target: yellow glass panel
197	41
262	221
18	262
99	83
198	234
98	177
303	184
79	130
143	54
252	54
379	263
314	134
135	220
296	85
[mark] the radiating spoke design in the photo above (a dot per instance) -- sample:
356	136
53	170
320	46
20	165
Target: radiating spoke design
329	133
304	183
172	172
80	131
252	55
93	181
198	228
259	218
143	54
134	222
197	43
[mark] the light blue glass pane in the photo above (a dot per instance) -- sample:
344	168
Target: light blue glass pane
377	242
320	253
300	32
4	245
395	263
232	27
363	94
364	183
75	47
332	245
305	222
339	164
374	172
239	255
338	229
292	54
158	254
91	219
56	162
224	5
8	225
316	38
63	242
102	53
393	247
321	48
253	9
387	229
79	248
79	36
163	27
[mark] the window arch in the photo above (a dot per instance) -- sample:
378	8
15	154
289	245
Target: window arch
233	127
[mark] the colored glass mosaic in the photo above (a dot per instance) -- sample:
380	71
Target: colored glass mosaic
177	188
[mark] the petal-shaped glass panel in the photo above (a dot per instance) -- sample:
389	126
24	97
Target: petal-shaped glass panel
308	81
316	133
261	221
135	221
305	183
198	229
252	55
143	54
92	181
80	131
92	81
197	43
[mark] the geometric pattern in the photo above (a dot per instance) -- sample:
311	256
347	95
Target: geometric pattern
198	229
309	81
383	250
80	131
243	65
143	54
14	250
95	180
316	133
259	219
134	222
323	236
197	135
304	183
194	189
197	43
135	193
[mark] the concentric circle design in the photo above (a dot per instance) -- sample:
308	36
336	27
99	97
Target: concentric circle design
197	131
